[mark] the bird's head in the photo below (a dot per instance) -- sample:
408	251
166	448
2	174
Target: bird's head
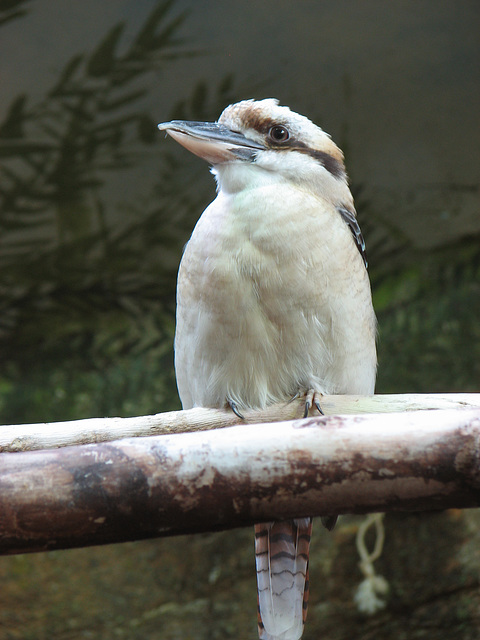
261	142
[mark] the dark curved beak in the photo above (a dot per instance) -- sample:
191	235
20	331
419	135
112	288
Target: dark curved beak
211	141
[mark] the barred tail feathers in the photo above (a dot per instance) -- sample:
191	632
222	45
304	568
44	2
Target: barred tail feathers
281	553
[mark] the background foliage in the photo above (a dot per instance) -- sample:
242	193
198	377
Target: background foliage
87	296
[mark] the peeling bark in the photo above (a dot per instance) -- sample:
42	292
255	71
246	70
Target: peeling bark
30	437
166	485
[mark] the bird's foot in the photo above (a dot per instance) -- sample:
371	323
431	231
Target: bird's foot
234	408
311	399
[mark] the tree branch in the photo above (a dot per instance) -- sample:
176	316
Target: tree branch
185	483
29	437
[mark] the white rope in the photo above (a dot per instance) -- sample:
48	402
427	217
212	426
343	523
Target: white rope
367	595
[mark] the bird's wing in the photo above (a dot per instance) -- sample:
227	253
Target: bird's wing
351	219
281	553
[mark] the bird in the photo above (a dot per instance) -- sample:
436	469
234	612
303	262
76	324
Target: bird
273	301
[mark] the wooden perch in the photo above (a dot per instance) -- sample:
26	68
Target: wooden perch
29	437
164	485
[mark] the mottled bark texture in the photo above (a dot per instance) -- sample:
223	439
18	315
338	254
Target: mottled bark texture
165	485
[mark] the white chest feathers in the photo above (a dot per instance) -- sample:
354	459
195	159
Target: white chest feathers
273	297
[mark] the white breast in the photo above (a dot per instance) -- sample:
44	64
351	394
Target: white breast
272	297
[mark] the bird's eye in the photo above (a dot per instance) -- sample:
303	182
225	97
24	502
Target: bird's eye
279	133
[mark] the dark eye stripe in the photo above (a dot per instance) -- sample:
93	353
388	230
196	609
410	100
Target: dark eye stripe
264	125
331	164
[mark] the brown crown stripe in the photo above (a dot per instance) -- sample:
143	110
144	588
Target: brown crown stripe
253	119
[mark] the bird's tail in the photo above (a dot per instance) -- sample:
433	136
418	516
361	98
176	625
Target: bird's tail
281	554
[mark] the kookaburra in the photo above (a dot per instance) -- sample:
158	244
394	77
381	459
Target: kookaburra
273	300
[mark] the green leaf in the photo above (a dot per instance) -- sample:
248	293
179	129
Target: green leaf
147	129
13	125
20	148
11	9
70	68
121	101
102	60
147	33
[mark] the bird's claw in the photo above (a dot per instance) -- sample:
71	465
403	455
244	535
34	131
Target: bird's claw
234	408
293	398
311	399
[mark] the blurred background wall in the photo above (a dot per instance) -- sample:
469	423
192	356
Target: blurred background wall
95	207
